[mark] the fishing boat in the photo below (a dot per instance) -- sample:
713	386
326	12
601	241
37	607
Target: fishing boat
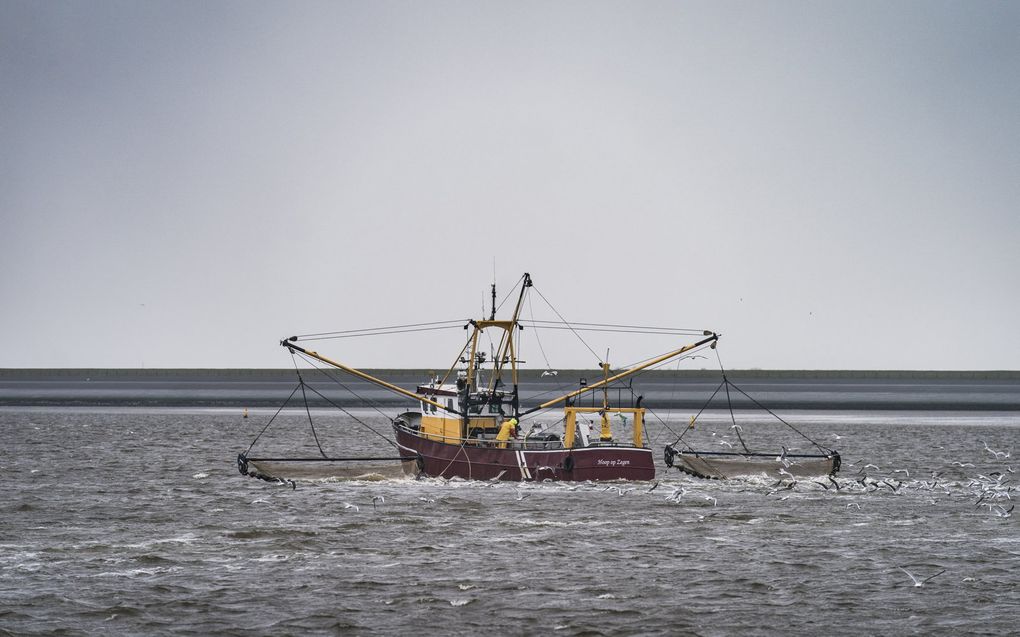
471	423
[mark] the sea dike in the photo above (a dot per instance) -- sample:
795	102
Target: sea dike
777	389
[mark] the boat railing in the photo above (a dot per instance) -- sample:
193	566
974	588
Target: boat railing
521	444
625	396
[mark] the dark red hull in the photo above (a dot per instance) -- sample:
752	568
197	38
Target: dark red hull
475	462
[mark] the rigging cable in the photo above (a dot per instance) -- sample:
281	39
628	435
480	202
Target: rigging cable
548	366
729	403
355	418
728	384
698	415
272	419
620	329
680	330
669	411
802	434
662	422
304	396
498	307
380	331
330	376
569	326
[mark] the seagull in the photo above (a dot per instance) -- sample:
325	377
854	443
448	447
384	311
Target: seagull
426	500
654	487
902	471
875	467
963	464
833	481
723	442
348	505
377	498
920	582
999	455
520	495
678	493
714	501
737	428
550	372
853	504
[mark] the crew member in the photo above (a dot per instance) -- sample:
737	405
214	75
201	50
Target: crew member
509	428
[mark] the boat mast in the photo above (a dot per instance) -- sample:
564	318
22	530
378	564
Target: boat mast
505	351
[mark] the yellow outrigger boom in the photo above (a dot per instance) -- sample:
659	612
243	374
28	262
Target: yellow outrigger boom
362	375
712	338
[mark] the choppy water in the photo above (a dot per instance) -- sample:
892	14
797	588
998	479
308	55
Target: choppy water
124	521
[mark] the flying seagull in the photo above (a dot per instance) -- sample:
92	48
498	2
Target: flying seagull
920	582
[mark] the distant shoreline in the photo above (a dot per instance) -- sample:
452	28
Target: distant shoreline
421	374
865	390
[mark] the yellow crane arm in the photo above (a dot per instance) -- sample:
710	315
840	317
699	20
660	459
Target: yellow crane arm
362	375
633	370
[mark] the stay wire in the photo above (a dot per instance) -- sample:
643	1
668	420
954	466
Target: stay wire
548	366
669	411
531	310
761	406
733	418
384	333
773	414
688	355
272	419
355	418
677	330
449	323
327	374
698	415
304	396
663	423
597	357
508	294
556	326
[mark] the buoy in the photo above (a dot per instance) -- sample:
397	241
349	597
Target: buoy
245	414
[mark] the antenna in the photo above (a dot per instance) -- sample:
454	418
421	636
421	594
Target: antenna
492	317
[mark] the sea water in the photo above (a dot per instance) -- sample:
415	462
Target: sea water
136	521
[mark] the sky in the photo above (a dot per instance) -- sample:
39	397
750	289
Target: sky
828	185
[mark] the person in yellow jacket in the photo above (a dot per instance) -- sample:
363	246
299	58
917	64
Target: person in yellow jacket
509	428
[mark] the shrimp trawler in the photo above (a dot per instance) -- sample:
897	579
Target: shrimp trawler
467	423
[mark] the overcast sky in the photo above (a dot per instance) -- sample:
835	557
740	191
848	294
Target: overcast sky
830	185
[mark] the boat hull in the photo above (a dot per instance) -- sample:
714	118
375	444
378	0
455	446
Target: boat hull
484	462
